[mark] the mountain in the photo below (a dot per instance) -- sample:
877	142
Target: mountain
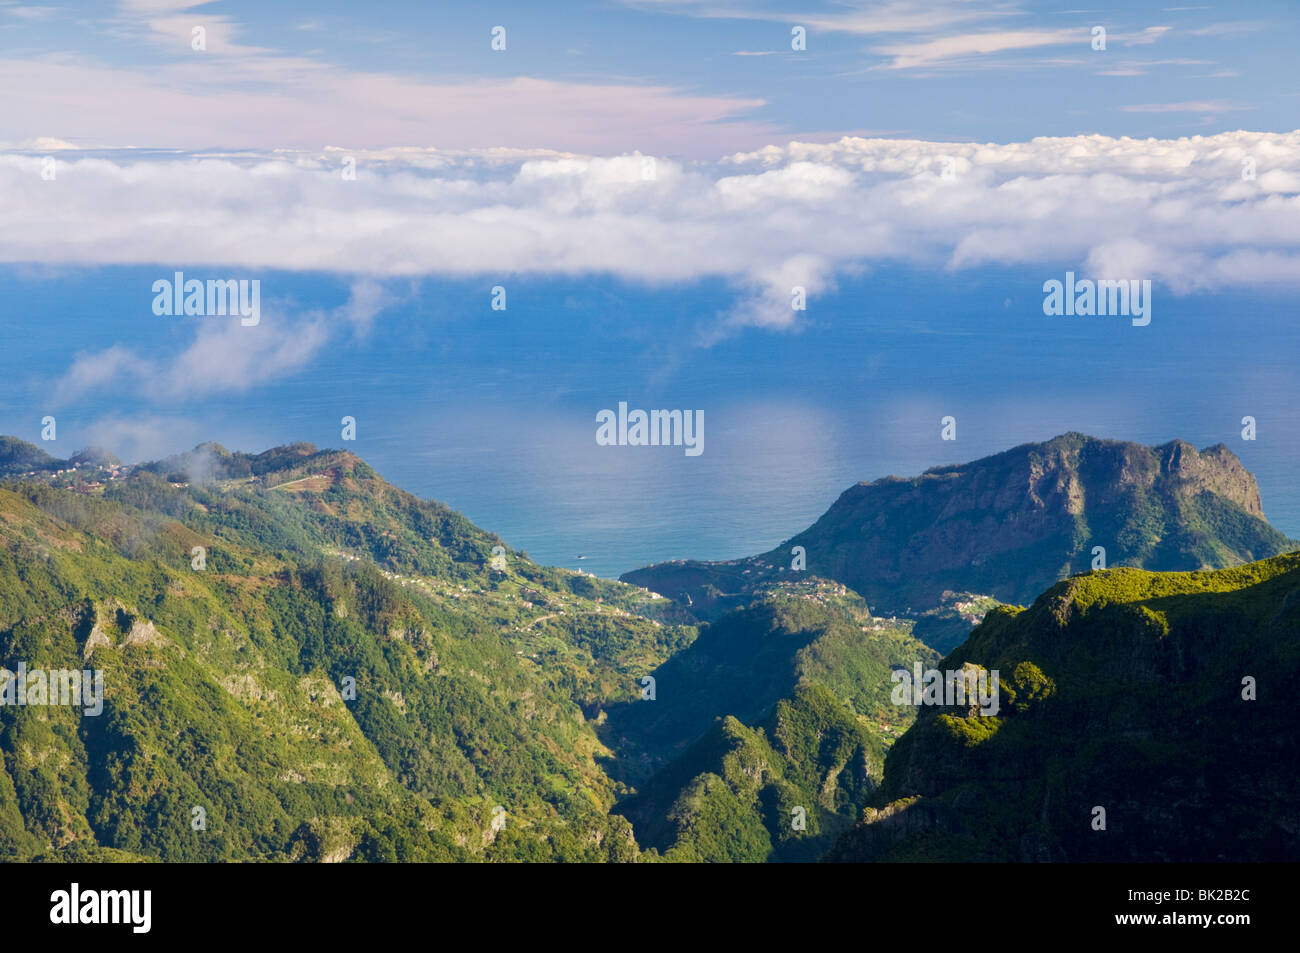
1161	698
302	662
1007	526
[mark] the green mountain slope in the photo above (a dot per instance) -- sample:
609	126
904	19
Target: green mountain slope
1123	690
778	791
784	704
225	685
18	456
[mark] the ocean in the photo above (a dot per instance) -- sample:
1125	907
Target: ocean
494	412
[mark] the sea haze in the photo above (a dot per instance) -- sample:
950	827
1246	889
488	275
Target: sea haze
494	412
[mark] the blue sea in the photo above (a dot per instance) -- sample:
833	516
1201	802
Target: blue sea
494	412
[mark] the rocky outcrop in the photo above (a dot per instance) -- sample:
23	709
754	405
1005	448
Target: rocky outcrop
1011	525
96	638
142	633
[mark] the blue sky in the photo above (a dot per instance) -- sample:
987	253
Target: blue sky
651	183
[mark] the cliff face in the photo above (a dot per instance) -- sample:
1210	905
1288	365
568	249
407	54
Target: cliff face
1216	470
1012	524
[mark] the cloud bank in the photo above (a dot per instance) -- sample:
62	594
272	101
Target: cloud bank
1201	213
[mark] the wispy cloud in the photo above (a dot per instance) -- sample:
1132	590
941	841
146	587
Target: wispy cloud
1142	37
242	95
856	17
224	356
1234	28
22	11
171	24
929	53
1201	106
260	103
1143	67
144	436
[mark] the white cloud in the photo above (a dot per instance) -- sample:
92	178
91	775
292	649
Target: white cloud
800	214
856	17
1235	28
987	29
169	24
143	437
933	52
27	12
1142	67
1209	106
224	357
1143	37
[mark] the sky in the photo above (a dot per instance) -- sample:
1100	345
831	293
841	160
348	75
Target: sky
647	188
670	77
